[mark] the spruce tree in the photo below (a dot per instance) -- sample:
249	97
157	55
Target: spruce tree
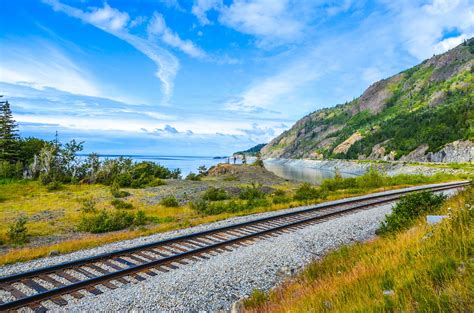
8	134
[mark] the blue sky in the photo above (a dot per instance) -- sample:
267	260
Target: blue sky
205	77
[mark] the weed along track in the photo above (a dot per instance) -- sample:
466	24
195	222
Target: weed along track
36	289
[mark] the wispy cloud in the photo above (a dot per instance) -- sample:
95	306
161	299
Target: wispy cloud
44	66
157	28
116	22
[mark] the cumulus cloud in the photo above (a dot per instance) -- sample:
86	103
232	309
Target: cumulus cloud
157	28
116	22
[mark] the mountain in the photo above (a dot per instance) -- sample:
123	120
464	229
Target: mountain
422	114
252	151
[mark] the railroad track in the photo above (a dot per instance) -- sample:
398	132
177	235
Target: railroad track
58	283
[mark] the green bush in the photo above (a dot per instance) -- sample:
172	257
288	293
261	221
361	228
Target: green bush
120	204
169	201
251	192
116	192
215	194
54	185
193	177
18	232
140	218
307	192
105	221
408	209
88	206
213	208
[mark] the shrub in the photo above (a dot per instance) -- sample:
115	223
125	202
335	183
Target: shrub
116	192
232	206
105	221
140	218
169	201
17	232
88	206
215	194
408	209
258	162
120	204
193	177
54	185
251	192
307	192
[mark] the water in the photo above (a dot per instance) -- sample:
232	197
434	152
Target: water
302	173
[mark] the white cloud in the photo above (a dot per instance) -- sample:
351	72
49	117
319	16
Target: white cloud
115	22
201	7
270	20
157	28
422	25
20	64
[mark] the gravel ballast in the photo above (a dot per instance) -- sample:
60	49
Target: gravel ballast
216	283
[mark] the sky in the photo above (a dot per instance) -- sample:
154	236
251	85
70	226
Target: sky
204	77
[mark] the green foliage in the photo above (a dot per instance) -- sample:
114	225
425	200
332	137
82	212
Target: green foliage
121	205
308	192
53	186
408	209
251	192
202	170
215	194
8	134
193	177
18	232
140	218
11	170
256	298
252	151
88	205
169	201
110	221
116	192
279	196
232	206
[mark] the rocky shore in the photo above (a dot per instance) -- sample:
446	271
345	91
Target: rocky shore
360	167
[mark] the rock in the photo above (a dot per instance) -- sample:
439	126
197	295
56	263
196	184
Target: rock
54	253
237	307
388	292
346	144
435	219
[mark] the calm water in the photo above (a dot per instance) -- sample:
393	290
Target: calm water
301	173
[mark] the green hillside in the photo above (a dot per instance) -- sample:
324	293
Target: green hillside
429	105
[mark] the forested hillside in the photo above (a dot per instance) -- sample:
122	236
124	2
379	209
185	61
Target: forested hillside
424	113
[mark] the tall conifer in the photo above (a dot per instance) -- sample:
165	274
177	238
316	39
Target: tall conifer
8	133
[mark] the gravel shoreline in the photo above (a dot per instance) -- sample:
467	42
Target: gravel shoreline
216	283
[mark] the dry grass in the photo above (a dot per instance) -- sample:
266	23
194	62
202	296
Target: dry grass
425	269
55	216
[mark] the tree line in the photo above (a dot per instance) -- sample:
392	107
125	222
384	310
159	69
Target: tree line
53	163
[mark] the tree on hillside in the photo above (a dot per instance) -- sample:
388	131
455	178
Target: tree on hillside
8	133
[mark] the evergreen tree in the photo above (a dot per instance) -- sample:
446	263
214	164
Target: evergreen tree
8	133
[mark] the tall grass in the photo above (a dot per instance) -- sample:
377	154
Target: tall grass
423	269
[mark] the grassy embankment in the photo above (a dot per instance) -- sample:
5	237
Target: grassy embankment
427	268
54	216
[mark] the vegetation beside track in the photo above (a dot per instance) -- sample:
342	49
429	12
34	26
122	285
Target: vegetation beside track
79	216
427	268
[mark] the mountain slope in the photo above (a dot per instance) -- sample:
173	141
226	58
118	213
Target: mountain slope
411	116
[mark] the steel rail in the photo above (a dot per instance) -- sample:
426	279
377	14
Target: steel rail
196	251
